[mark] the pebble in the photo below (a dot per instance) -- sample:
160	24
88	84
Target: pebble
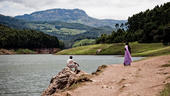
126	85
105	86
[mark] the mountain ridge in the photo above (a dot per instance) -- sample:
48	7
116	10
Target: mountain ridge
69	16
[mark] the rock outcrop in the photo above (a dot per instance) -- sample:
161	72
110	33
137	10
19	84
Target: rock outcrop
64	80
98	51
6	52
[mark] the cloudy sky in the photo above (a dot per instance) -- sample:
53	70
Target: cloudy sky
103	9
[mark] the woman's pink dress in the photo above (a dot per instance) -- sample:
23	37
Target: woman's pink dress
128	58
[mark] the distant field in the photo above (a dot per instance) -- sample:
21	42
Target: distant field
52	28
138	49
84	42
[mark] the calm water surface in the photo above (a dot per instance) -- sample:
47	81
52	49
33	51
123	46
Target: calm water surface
29	75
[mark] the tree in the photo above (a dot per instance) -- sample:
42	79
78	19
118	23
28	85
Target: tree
166	36
151	23
116	26
12	38
122	26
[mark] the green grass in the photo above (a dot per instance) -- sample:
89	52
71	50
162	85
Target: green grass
154	52
88	50
138	49
24	51
166	90
116	49
84	42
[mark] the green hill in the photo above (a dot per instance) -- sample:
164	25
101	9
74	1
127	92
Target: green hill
138	49
13	39
84	42
67	32
12	22
150	26
60	27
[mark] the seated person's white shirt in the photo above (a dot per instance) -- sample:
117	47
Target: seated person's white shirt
70	61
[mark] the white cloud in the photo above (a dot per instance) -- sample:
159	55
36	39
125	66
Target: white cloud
110	9
12	9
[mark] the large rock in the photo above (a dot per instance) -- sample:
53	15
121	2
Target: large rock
63	80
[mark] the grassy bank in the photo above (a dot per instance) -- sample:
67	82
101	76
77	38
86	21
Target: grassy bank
138	49
24	51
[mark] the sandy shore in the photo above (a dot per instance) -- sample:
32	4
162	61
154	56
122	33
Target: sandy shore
143	78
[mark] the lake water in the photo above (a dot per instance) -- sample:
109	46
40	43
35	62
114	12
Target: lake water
29	75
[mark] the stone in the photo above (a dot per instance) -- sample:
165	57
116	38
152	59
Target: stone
68	93
103	86
63	80
126	85
98	51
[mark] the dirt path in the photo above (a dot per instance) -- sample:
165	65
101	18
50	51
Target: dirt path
143	78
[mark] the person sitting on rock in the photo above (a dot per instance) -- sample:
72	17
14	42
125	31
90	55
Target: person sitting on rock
72	64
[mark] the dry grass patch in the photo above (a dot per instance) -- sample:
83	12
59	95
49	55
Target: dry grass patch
166	90
165	65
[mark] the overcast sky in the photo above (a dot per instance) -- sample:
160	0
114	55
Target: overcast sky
103	9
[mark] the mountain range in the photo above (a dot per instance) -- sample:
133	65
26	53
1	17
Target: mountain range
67	32
69	25
69	16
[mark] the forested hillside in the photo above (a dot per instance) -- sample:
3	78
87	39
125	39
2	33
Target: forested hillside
12	22
13	38
67	32
147	27
151	25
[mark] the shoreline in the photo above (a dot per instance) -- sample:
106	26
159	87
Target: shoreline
145	77
28	51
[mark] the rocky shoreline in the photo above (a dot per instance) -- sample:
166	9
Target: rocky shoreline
29	51
64	80
67	80
146	77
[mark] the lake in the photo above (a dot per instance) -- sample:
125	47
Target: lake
29	75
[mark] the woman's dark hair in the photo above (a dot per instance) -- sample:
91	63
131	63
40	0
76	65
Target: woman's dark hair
71	57
129	49
127	43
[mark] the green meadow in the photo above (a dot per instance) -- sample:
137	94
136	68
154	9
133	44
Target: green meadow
138	49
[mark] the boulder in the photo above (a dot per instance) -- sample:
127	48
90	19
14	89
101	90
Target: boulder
98	51
64	80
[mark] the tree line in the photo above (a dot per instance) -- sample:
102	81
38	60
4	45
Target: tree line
12	38
145	27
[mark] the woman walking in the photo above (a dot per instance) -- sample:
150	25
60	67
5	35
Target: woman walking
128	58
